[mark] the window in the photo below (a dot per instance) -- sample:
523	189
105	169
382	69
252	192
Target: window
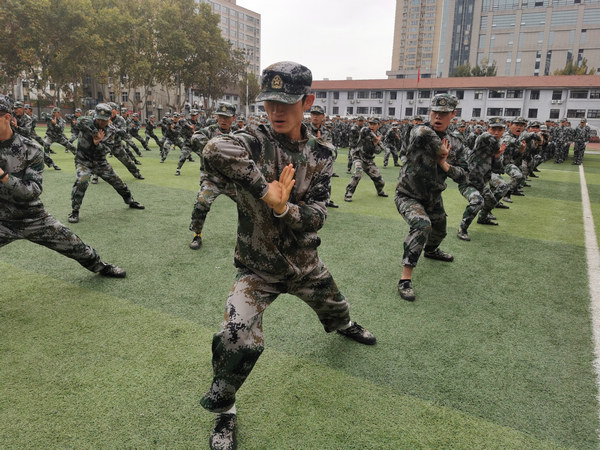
138	96
458	112
460	94
335	110
393	95
376	110
478	96
362	94
408	112
111	96
512	112
376	94
595	93
349	110
534	94
557	95
532	113
494	112
350	95
575	113
362	110
423	111
391	112
424	94
124	96
554	113
336	95
593	113
492	93
321	94
476	112
579	93
514	93
410	95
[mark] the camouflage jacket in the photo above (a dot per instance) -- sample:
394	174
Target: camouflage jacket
119	127
55	130
20	197
276	248
482	162
187	127
392	138
421	177
150	126
533	144
172	131
133	126
87	152
366	147
354	135
325	133
581	134
24	125
199	140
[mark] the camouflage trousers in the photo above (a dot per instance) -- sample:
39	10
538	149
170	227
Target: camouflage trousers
475	199
136	134
238	345
102	169
128	140
209	191
150	134
427	222
62	140
166	147
578	152
561	152
350	157
186	151
371	170
498	189
44	229
517	179
390	151
125	156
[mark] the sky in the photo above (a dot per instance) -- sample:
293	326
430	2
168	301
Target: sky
335	39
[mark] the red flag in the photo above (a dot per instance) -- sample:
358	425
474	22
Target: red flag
419	75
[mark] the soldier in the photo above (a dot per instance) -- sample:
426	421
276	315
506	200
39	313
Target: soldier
211	183
353	136
187	126
316	128
171	136
563	142
119	149
278	220
150	126
581	137
419	191
22	215
482	161
127	138
134	130
74	128
55	132
23	124
392	142
512	157
90	158
369	144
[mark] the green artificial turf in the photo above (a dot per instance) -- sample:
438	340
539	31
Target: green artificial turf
495	353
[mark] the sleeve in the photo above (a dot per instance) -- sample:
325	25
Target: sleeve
28	186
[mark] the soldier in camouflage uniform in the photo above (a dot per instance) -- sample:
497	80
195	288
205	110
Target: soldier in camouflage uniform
23	124
188	126
512	157
55	132
121	122
483	161
282	174
563	142
392	143
581	136
134	130
22	214
353	137
171	136
211	183
90	158
74	127
419	191
369	144
149	130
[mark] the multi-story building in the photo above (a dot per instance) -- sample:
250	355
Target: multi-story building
535	98
522	37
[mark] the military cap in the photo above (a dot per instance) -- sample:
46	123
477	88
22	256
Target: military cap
519	120
444	103
78	110
374	120
462	123
225	109
176	114
168	114
27	106
103	111
135	115
18	105
360	119
285	82
113	105
418	118
241	118
564	119
194	112
55	109
316	109
5	104
583	120
543	128
533	123
152	116
123	109
497	122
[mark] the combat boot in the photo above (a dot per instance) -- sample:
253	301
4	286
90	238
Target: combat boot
439	254
136	205
112	271
358	334
74	216
406	291
177	172
196	242
223	436
501	205
485	221
463	235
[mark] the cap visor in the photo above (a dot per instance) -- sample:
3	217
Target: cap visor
280	97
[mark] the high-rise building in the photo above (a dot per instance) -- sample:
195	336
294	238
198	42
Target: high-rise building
241	27
522	37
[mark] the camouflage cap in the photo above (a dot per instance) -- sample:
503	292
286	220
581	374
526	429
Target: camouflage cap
78	110
241	118
534	124
225	109
374	120
360	119
497	122
583	120
194	112
152	116
18	105
55	109
27	106
5	104
519	120
285	82
564	119
135	115
444	103
103	111
417	118
316	109
113	105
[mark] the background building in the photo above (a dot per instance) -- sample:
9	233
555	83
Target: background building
523	37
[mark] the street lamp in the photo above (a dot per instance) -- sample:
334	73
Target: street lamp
159	107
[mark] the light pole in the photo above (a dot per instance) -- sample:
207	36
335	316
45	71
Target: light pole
159	107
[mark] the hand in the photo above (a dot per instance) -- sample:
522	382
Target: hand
279	190
523	147
444	151
13	121
501	150
98	137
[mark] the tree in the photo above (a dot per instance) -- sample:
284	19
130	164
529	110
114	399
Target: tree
483	69
572	68
462	71
249	85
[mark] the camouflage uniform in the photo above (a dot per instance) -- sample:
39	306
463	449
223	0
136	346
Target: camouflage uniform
212	184
187	130
171	133
353	137
55	132
419	193
133	127
24	128
149	130
581	136
364	161
22	215
393	143
563	142
91	159
121	140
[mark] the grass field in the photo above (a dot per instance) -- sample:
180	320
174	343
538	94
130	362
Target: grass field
495	353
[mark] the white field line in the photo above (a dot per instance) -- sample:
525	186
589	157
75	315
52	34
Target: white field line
593	263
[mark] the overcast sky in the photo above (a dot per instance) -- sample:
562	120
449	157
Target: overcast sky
335	39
